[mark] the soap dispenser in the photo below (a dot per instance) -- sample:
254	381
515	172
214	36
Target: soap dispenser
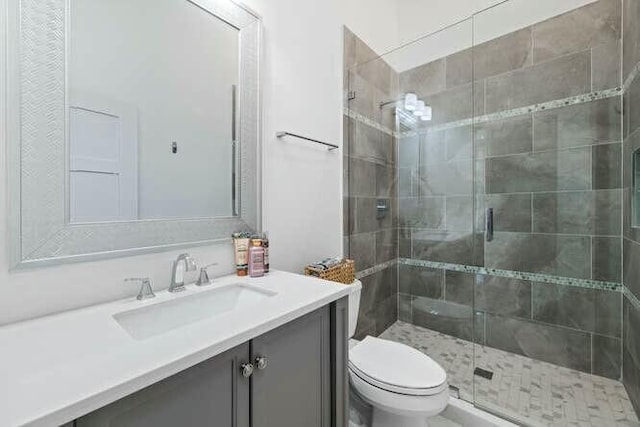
256	258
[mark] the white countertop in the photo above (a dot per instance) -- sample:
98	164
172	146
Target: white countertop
57	368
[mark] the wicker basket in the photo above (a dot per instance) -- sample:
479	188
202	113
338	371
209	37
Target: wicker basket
344	272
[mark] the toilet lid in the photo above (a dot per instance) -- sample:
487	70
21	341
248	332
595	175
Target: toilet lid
396	367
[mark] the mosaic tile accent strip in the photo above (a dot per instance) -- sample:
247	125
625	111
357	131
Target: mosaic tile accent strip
558	103
376	269
533	277
533	392
369	122
632	298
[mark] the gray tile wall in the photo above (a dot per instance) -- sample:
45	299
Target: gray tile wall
370	174
378	303
587	27
571	175
631	246
553	178
574	327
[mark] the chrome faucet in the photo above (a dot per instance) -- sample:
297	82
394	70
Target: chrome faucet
146	291
177	285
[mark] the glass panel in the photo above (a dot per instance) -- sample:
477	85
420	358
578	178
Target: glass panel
435	200
419	101
548	137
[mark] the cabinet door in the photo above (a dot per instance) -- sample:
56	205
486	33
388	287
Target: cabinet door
213	393
293	390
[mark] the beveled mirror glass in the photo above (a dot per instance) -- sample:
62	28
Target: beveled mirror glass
136	126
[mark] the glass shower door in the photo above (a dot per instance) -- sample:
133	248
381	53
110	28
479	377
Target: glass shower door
547	135
436	236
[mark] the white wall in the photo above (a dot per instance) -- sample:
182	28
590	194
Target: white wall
175	65
377	22
418	18
302	75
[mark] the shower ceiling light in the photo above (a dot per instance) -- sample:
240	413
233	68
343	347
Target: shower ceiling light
410	101
414	108
427	114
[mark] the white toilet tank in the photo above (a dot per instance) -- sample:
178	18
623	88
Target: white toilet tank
354	306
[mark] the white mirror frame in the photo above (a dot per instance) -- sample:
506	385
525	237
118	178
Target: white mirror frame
40	232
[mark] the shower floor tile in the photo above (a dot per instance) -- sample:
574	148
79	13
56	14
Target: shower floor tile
525	390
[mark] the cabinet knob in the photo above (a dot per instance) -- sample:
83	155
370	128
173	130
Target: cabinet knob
261	362
246	369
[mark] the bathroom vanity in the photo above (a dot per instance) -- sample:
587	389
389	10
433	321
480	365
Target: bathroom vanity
132	142
290	386
279	360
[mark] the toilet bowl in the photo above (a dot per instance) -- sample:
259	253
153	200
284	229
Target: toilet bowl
404	386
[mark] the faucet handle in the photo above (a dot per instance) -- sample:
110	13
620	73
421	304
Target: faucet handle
204	280
146	291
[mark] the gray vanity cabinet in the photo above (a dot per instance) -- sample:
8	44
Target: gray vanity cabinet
298	380
294	389
212	393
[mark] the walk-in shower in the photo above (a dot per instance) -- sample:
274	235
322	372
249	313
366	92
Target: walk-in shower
510	254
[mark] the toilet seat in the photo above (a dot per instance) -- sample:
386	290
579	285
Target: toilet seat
396	368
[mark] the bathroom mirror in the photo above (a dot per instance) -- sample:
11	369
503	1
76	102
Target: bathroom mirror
135	127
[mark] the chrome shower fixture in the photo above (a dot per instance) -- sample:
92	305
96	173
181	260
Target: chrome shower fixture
410	102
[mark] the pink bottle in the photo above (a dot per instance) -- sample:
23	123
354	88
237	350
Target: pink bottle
256	258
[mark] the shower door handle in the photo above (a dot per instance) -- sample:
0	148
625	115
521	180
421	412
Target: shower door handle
489	233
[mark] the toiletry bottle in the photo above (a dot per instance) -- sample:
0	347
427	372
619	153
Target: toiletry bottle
265	245
256	258
241	243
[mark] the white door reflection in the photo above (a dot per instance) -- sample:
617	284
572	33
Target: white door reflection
103	152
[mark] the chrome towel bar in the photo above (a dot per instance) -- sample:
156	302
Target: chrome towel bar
282	134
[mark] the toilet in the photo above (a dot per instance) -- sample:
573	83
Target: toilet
404	386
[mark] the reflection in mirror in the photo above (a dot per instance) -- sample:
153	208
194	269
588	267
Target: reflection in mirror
151	111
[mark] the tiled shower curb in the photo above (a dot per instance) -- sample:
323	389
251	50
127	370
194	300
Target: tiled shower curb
532	277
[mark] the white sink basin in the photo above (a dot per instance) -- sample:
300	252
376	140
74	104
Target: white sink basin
156	319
